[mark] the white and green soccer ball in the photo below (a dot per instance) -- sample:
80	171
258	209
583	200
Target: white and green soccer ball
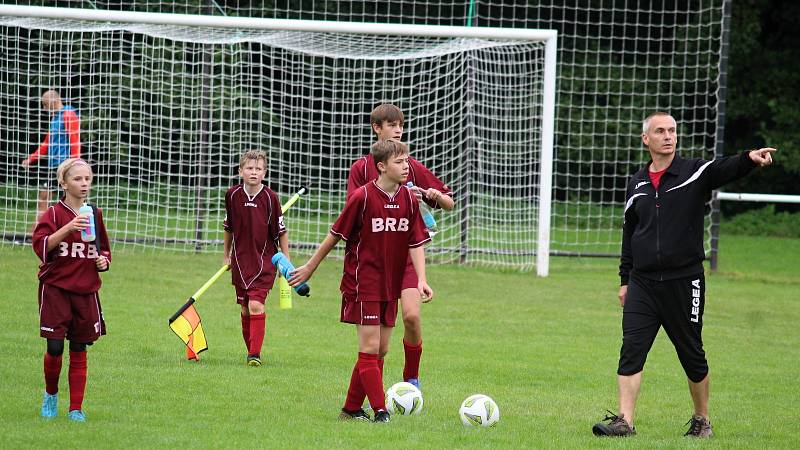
404	399
479	411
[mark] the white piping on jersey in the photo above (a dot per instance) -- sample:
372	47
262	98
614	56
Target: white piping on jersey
358	246
391	196
249	198
66	206
341	236
364	188
692	178
99	316
41	301
44	249
419	243
44	261
630	201
46	238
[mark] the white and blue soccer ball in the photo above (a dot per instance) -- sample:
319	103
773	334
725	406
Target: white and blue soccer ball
479	411
404	399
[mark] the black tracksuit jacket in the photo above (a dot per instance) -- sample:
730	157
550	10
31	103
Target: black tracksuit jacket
662	233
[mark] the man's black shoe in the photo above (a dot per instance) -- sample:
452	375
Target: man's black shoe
700	427
617	426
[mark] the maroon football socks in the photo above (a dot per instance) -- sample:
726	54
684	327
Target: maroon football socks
246	331
256	334
355	393
413	354
52	371
77	379
370	374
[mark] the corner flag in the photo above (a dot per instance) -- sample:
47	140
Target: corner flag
186	324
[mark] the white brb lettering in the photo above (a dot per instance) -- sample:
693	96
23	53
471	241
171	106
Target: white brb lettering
78	250
695	301
389	224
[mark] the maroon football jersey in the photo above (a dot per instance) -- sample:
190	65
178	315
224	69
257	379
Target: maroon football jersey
379	229
364	170
256	224
71	264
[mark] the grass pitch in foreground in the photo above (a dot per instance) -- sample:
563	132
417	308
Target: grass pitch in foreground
544	349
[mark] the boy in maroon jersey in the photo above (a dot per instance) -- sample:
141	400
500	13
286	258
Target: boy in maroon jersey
382	225
387	123
253	231
69	306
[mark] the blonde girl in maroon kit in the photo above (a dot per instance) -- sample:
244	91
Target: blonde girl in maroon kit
69	305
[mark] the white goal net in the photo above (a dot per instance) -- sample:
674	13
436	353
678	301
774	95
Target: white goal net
617	62
166	111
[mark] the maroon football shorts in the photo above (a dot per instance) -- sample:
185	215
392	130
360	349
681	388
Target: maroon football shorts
65	314
368	313
243	296
410	280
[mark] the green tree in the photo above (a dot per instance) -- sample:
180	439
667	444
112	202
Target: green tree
763	88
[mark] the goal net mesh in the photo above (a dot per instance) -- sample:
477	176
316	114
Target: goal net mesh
617	62
166	111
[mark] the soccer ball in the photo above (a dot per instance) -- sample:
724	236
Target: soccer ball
404	399
479	411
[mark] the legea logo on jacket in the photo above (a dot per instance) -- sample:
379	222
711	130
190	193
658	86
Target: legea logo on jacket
640	184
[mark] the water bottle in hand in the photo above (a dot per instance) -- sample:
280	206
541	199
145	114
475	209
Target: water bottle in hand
286	268
427	215
87	234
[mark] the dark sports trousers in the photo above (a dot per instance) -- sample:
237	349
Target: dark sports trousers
677	305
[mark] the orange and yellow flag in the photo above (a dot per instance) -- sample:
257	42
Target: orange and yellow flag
187	325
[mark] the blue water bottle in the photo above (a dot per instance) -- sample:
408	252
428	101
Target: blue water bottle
87	234
286	268
427	215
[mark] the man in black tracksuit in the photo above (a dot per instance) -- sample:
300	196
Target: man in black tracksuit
661	268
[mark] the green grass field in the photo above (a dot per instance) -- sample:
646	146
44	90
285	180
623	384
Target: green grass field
544	349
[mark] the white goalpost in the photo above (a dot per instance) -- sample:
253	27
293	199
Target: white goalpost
168	102
765	198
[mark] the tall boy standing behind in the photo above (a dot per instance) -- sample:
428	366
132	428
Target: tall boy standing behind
383	227
387	123
253	231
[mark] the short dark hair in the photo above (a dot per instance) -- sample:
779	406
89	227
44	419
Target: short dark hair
386	112
646	121
385	149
